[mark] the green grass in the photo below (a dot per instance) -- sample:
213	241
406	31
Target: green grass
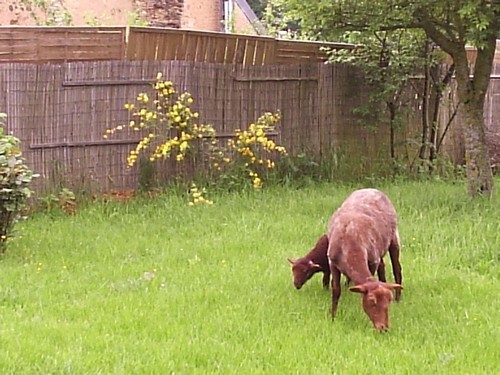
77	297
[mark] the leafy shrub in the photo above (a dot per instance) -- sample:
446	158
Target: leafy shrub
15	177
64	200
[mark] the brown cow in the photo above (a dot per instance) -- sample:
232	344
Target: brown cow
360	232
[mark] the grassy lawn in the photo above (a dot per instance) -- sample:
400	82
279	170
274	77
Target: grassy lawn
157	287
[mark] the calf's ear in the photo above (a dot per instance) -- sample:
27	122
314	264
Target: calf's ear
358	289
292	261
314	265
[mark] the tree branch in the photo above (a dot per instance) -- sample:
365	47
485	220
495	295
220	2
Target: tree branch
483	65
426	22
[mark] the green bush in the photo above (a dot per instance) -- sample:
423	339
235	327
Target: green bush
15	177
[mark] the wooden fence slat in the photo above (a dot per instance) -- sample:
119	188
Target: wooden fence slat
209	47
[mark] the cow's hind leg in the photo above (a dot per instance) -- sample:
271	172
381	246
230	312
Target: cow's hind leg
394	250
381	271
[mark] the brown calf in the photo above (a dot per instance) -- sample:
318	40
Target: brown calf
360	232
314	261
317	261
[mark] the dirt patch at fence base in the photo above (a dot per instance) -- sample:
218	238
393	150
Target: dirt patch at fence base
116	196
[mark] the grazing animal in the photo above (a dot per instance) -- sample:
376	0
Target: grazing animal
316	261
360	232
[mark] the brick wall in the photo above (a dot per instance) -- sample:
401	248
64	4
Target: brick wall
162	13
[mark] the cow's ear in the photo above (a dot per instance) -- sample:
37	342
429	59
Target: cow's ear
358	289
393	286
292	261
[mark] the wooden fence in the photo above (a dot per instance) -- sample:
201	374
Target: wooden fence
61	111
43	44
56	44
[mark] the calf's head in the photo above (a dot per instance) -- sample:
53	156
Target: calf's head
302	270
377	297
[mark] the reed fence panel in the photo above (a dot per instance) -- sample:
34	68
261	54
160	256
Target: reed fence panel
61	111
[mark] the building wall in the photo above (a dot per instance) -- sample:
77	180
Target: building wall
241	23
107	12
202	15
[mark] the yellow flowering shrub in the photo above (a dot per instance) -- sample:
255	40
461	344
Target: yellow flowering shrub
254	149
197	196
171	130
168	122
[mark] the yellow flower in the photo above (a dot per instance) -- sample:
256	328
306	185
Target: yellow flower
257	183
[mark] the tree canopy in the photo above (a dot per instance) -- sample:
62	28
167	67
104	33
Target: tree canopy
451	24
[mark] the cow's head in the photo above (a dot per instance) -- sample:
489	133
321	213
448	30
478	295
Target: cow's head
377	296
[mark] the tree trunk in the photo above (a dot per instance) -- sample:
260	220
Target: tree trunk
472	94
477	159
425	104
392	131
439	86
